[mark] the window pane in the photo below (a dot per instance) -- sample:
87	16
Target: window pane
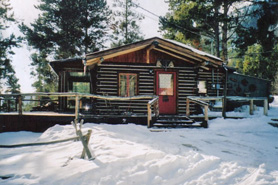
166	84
127	84
202	87
81	87
123	86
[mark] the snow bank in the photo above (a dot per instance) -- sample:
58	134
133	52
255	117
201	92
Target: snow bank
231	151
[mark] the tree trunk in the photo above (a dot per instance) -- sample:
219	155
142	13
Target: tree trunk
126	24
225	32
216	28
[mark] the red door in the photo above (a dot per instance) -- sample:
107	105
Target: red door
166	90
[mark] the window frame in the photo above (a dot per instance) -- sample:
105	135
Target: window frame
119	84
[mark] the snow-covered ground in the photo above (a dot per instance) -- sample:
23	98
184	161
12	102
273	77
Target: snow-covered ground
230	151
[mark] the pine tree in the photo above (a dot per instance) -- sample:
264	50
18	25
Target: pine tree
7	73
259	28
126	28
257	42
43	72
195	21
66	29
256	64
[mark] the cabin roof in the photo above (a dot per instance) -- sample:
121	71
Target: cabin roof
167	46
71	63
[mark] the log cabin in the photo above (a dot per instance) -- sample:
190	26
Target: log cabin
165	68
168	69
156	81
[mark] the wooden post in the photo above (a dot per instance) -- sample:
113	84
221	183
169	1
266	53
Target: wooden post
88	136
148	53
205	122
224	107
157	108
266	107
206	113
85	146
251	112
19	105
77	101
149	112
187	107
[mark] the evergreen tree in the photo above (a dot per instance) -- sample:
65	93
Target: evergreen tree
256	64
257	42
126	28
67	28
43	72
260	28
192	21
7	73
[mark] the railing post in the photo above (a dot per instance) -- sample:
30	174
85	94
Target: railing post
187	107
251	110
224	101
77	101
149	112
19	105
206	113
157	108
266	107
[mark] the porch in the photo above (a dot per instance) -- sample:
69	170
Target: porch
15	115
34	112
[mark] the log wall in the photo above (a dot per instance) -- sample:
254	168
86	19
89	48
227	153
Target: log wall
106	83
212	77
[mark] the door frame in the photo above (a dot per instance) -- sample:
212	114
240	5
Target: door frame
175	88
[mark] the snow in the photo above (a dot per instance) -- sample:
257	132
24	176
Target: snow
230	151
193	49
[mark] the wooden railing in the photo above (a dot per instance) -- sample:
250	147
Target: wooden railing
155	104
19	97
199	102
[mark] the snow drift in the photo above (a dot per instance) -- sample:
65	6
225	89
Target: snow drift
228	152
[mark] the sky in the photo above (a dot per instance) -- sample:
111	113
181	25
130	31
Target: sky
24	11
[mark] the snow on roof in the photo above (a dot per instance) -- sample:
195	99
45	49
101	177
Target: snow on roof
192	49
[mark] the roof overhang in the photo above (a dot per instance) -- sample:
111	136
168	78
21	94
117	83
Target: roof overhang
73	63
173	48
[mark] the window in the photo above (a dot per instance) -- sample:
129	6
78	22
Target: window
81	87
166	84
127	84
202	87
79	82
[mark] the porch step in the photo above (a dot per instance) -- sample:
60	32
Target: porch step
174	121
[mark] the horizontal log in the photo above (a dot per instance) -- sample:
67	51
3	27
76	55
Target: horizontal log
106	75
106	79
39	143
107	82
109	71
110	85
107	89
144	87
146	79
146	76
150	93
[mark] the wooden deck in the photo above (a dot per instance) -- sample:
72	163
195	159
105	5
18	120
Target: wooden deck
41	121
32	121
